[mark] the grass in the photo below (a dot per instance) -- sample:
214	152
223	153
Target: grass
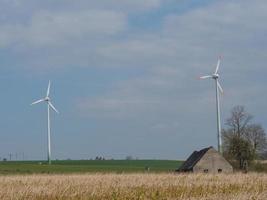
84	166
136	186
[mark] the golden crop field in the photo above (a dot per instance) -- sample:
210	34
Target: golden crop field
134	186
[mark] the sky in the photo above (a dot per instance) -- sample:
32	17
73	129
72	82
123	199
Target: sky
124	74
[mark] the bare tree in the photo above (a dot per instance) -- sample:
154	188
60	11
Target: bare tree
255	134
242	140
238	121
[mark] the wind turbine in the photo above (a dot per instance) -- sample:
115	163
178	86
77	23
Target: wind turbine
49	105
216	76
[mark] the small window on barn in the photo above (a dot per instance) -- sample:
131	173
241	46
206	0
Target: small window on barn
206	170
219	170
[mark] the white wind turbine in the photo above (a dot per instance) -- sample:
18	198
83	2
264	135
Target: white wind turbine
49	105
216	76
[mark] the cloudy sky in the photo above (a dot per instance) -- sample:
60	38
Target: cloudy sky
124	74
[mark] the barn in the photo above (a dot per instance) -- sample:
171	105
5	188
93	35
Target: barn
207	160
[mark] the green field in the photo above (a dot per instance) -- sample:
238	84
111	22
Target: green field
84	166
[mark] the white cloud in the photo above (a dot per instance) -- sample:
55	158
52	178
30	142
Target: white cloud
233	29
132	5
52	29
21	6
187	46
140	52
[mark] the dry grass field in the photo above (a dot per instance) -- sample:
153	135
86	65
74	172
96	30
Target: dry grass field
134	186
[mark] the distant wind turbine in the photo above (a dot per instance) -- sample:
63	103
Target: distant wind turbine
216	76
49	105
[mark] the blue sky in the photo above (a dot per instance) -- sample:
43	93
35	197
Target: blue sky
124	74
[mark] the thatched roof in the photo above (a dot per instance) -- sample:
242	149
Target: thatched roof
193	160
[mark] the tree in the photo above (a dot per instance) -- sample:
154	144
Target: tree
129	158
264	155
238	121
242	140
255	134
241	150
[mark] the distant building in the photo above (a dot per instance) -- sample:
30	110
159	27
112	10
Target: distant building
207	160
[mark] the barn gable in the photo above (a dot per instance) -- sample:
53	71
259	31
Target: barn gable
206	160
192	160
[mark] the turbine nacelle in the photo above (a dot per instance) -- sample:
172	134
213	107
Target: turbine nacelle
47	99
215	76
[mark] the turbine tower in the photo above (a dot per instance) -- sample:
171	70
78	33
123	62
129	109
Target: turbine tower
49	105
216	76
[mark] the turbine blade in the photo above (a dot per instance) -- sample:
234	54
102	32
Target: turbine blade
218	65
51	105
220	87
48	89
204	77
39	101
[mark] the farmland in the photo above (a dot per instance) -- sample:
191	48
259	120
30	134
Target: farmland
122	180
84	166
98	186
